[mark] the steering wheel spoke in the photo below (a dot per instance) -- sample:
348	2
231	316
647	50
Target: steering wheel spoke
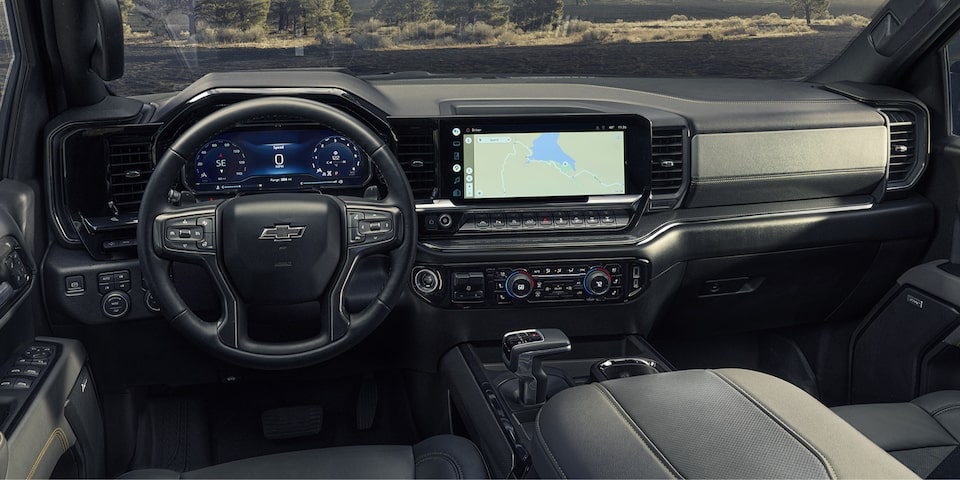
232	324
186	234
373	227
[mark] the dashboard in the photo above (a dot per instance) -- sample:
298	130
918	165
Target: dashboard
533	191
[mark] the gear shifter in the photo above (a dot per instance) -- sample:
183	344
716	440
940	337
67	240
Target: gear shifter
523	352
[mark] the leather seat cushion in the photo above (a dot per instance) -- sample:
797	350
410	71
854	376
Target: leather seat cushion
922	434
443	456
701	424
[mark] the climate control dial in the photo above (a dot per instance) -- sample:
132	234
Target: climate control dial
596	282
520	284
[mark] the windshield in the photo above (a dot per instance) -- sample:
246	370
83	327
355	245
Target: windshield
171	43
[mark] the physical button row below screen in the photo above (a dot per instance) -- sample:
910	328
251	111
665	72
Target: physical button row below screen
550	220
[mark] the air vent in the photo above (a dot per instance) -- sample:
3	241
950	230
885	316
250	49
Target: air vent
128	168
903	147
667	168
417	155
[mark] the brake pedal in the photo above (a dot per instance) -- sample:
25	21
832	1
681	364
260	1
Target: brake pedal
292	422
367	403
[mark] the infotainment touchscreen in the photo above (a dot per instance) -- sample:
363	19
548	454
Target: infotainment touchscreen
576	157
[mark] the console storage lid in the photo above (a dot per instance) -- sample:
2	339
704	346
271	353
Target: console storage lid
725	423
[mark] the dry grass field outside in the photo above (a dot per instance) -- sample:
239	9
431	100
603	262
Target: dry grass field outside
650	43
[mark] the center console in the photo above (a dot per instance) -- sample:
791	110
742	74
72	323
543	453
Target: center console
631	415
501	387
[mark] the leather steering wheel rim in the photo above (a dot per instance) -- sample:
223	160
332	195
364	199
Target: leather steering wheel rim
352	327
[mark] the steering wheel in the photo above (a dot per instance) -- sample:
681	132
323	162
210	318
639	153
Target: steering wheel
277	248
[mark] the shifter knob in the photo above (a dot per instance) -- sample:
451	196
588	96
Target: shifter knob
523	352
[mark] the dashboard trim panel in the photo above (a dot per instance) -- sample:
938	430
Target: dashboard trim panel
663	228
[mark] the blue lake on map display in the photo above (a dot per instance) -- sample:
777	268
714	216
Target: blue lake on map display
546	148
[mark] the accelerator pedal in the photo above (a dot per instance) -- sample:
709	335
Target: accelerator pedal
367	403
292	422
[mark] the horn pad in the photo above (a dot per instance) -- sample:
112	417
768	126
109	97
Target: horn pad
280	248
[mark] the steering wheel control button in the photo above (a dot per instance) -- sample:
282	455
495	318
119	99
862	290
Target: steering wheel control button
355	237
115	304
374	226
426	281
208	242
207	224
190	233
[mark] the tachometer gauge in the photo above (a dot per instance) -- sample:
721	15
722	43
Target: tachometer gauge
336	157
220	161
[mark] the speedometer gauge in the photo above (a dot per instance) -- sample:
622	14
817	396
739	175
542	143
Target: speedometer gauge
336	157
220	161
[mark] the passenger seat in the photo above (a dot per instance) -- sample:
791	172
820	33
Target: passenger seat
923	434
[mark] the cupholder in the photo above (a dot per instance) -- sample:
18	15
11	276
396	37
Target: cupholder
622	368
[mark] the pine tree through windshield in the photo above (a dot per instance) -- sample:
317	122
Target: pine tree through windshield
171	43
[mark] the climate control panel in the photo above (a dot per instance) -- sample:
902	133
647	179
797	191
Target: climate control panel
522	284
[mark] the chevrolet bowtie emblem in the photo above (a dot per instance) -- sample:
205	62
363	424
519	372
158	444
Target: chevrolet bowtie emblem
282	233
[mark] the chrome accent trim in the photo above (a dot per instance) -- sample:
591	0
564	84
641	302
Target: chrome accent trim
591	201
265	91
643	240
282	233
796	213
341	306
413	280
631	360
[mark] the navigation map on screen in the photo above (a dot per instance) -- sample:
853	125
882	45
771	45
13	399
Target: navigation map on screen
543	164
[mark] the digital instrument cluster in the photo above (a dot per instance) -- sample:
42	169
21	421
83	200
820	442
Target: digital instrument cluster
278	159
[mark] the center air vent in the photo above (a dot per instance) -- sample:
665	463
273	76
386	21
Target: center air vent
417	155
128	168
667	165
903	148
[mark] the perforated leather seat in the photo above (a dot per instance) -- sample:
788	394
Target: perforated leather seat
923	434
442	456
724	423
